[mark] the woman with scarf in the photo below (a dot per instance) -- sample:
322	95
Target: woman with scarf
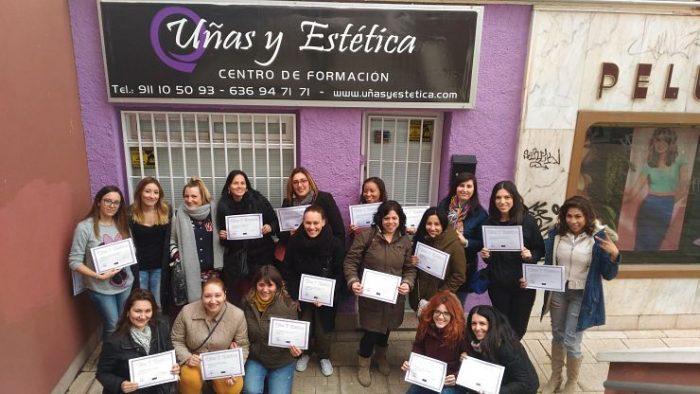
243	257
313	250
195	252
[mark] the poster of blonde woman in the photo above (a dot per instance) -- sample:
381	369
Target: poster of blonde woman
656	189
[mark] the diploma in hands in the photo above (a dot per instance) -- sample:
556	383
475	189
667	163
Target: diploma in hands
362	215
414	215
113	255
545	277
316	289
290	217
247	226
286	333
431	260
426	372
222	364
380	286
503	238
480	376
153	369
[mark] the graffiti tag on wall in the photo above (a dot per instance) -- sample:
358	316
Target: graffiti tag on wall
545	215
542	158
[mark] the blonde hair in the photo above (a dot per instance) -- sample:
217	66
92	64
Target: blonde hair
162	209
290	188
196	182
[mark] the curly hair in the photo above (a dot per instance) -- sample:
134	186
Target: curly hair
454	331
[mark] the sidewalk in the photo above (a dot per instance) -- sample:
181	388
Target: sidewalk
344	380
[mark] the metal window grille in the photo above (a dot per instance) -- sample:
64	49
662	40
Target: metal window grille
404	152
174	146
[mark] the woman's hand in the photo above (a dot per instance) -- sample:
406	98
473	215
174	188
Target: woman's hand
525	254
129	387
233	345
450	380
523	283
317	304
414	260
404	288
404	366
463	356
410	230
266	229
175	370
354	229
295	351
608	246
107	275
462	239
194	360
356	288
223	235
485	253
230	382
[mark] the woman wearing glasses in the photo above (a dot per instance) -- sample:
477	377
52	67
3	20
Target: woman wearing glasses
105	223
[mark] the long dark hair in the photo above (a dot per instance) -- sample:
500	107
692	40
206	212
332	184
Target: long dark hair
464	177
137	294
269	274
121	220
500	332
670	137
380	185
421	232
225	192
517	211
586	208
384	209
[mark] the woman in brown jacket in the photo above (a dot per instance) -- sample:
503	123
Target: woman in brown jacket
433	231
208	325
386	248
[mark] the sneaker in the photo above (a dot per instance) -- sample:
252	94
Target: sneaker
326	367
303	362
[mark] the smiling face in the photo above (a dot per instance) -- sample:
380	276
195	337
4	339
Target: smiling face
265	290
109	204
370	192
140	313
213	298
575	220
661	145
504	202
313	223
480	326
465	190
390	222
433	226
238	187
192	197
300	184
441	317
150	195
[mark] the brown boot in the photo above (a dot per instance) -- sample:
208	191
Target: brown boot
573	367
363	374
555	379
379	358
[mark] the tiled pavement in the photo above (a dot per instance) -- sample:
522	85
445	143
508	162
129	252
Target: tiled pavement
593	373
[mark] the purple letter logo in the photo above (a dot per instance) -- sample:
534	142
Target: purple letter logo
184	63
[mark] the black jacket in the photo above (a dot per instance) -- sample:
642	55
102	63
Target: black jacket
259	251
113	367
519	376
333	217
321	256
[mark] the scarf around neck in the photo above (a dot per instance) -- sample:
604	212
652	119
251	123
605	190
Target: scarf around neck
260	304
142	337
198	213
457	211
319	246
307	200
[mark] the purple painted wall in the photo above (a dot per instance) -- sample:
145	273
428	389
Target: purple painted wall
330	138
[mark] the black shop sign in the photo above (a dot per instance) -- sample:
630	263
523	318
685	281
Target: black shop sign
291	53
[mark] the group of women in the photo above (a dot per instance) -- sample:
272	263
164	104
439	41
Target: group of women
188	268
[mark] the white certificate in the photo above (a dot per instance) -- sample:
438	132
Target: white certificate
152	370
545	277
222	364
426	372
480	376
78	283
414	215
113	255
380	286
291	217
316	289
362	215
244	226
286	333
431	260
503	238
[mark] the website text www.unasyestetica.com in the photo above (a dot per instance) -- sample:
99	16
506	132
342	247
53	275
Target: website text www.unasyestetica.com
394	95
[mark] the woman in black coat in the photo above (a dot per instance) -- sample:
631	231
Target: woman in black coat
139	333
243	257
313	250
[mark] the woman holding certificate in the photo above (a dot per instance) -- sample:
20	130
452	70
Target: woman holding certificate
373	191
441	335
433	232
466	215
140	332
507	211
106	223
208	325
588	253
149	222
242	257
384	252
269	366
195	252
491	339
314	251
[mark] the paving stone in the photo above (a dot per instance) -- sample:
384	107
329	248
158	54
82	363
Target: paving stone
604	334
91	363
682	333
644	343
643	334
596	346
682	342
537	351
535	335
592	376
82	383
350	385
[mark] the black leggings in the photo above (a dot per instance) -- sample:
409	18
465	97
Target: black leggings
516	304
371	339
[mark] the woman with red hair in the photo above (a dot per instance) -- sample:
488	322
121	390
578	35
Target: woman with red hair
441	335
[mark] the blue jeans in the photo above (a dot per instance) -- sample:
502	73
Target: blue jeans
150	280
445	390
279	381
564	309
110	307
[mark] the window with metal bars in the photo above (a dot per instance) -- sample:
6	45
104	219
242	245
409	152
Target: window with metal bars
174	146
404	152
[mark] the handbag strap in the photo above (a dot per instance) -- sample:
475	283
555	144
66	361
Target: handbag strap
211	332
